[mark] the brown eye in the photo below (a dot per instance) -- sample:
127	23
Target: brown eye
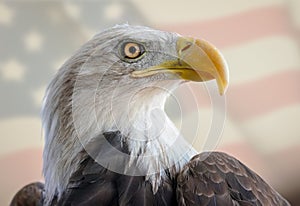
132	50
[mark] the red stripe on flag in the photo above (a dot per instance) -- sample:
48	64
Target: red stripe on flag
238	28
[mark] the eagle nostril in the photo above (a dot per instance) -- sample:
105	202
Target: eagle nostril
189	44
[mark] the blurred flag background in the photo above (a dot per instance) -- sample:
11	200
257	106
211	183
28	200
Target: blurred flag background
259	38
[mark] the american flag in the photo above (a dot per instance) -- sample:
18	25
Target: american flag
259	39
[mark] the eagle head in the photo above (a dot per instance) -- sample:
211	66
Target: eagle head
119	81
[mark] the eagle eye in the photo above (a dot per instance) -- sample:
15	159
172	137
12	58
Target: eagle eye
132	50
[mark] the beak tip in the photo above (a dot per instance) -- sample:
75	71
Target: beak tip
204	57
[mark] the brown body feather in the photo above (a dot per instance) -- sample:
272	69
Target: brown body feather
209	179
29	195
219	179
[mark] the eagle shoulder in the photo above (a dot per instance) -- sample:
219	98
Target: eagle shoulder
29	195
216	178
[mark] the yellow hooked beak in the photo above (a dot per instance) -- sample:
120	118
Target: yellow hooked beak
197	61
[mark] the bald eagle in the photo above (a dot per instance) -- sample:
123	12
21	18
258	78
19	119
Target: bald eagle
108	140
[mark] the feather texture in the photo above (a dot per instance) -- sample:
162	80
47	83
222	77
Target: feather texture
215	178
29	195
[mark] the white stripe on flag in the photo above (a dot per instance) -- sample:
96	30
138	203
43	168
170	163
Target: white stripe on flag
20	133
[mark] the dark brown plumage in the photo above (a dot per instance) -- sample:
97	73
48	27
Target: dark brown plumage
215	178
209	179
29	195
